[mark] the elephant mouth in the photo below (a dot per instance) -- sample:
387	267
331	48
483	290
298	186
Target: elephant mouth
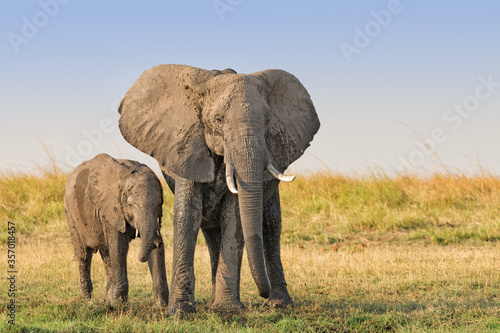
271	168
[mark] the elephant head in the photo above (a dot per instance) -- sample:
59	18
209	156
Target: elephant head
124	191
261	122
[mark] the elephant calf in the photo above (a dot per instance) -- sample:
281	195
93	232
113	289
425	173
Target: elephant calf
108	203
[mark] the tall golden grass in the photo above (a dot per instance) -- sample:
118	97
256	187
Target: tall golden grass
327	208
319	209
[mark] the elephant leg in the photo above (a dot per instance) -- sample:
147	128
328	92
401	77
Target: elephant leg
186	221
118	249
279	296
156	265
213	240
107	268
84	266
227	290
84	256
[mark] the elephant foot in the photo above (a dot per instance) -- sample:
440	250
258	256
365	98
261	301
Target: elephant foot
227	306
161	302
117	300
86	295
86	290
279	302
181	309
211	301
162	299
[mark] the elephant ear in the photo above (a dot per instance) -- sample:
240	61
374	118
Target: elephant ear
160	115
293	121
104	190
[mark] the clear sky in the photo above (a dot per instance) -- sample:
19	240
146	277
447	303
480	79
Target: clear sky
385	76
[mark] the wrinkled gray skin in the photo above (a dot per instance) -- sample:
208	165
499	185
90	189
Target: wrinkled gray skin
198	124
107	202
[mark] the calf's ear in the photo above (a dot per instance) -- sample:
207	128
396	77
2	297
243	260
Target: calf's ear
104	191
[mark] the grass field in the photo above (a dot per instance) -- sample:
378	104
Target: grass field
361	254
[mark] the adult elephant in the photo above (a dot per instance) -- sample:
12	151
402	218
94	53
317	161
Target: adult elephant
206	129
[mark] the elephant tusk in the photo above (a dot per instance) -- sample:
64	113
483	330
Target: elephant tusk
230	179
136	232
278	174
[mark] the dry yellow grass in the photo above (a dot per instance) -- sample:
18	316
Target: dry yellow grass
383	287
360	254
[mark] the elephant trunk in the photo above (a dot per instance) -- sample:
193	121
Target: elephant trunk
147	230
249	158
250	200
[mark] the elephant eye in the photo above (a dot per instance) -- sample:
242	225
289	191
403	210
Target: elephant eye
218	120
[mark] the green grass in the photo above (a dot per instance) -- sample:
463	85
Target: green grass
361	254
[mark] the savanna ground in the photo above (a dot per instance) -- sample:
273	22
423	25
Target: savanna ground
360	253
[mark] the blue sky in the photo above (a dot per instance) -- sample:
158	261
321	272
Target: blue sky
415	63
